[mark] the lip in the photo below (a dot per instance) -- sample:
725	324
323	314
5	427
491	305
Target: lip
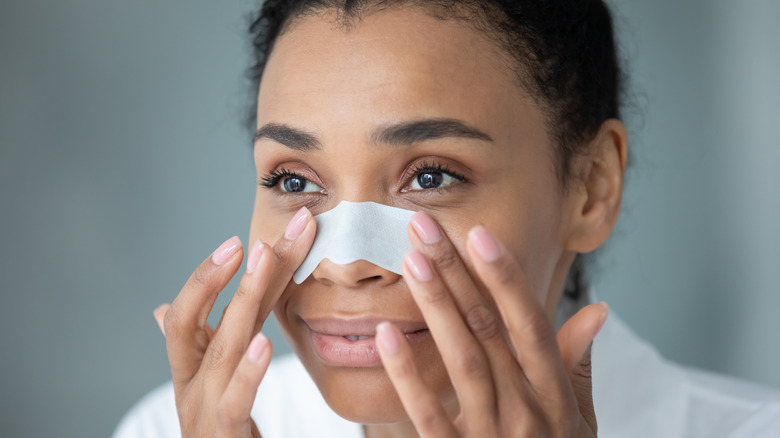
334	349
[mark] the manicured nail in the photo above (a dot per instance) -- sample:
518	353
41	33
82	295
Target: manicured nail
484	243
257	347
426	228
226	250
254	257
159	315
418	265
385	335
297	224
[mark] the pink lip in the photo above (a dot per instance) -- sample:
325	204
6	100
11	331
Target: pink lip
333	348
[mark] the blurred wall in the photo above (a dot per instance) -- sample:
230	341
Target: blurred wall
123	164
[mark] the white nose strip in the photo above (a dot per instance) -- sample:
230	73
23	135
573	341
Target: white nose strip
359	231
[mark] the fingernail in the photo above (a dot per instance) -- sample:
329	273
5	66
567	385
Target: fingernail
254	257
418	265
425	227
257	347
159	314
484	243
226	250
604	315
386	337
297	224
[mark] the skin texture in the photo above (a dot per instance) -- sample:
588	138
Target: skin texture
341	85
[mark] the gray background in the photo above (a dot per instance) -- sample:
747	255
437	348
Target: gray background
123	163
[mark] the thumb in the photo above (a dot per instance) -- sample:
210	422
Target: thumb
575	339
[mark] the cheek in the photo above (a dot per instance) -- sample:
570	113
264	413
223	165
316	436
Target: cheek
268	224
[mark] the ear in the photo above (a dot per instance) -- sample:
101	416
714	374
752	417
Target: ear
595	202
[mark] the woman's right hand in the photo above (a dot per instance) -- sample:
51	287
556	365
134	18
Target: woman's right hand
216	372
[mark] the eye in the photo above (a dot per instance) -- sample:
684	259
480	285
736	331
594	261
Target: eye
295	184
429	177
289	182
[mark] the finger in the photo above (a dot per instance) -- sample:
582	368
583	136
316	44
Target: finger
238	318
421	404
480	318
468	367
447	263
428	238
185	320
235	406
575	339
243	317
289	252
576	335
528	326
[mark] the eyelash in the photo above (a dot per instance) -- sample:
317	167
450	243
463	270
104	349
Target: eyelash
272	179
425	167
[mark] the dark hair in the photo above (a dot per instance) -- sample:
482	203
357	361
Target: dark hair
564	52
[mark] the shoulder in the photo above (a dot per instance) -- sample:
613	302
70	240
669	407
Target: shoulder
286	394
638	393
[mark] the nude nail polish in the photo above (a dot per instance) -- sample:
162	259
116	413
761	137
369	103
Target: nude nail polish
426	228
387	338
226	251
297	224
254	257
418	265
256	347
484	243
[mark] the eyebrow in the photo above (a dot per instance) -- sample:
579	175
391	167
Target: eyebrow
399	134
287	135
414	131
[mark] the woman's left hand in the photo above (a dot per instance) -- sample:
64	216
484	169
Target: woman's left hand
512	375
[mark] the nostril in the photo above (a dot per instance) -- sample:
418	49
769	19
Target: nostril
370	279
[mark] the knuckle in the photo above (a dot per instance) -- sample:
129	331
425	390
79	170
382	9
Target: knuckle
505	272
537	329
243	292
472	363
482	322
173	325
201	277
428	419
282	250
436	295
447	259
280	253
225	413
218	354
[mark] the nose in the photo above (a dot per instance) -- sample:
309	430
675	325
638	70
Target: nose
356	274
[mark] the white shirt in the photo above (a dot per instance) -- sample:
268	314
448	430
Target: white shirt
636	393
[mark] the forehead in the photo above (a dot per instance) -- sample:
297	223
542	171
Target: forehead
398	63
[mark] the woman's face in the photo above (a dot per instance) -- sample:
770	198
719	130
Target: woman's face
366	97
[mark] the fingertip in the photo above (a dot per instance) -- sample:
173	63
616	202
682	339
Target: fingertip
226	251
159	315
386	339
485	245
259	347
603	318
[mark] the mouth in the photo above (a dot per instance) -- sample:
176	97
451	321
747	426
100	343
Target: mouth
351	343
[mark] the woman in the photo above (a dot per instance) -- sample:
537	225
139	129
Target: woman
497	123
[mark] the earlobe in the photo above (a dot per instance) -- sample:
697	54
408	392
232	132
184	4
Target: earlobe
596	202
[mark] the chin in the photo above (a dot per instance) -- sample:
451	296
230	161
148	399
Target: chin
366	395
